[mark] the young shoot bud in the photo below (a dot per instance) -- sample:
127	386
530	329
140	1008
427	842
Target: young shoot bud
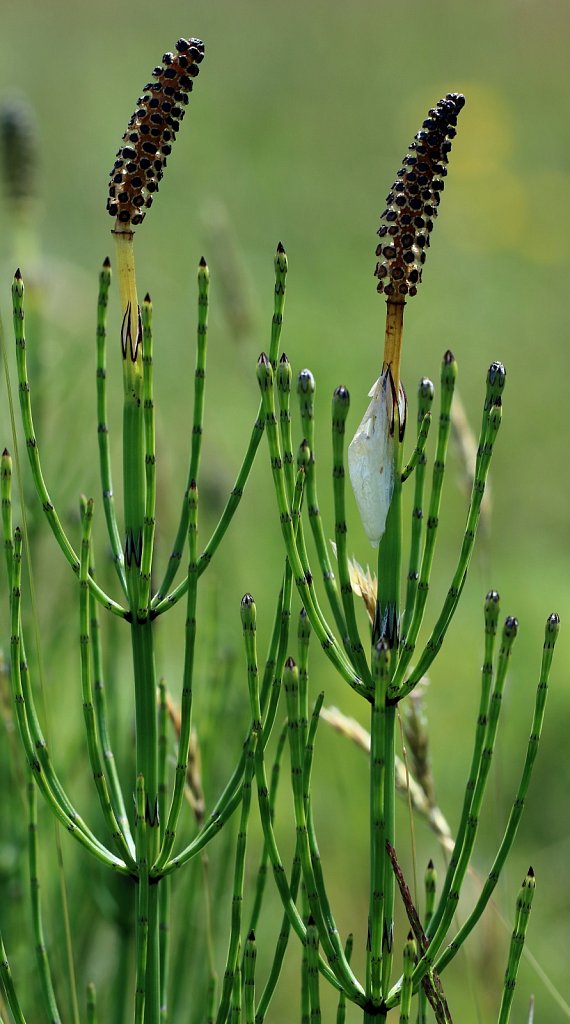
151	131
248	612
264	373
371	455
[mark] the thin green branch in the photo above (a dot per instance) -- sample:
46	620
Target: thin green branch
33	451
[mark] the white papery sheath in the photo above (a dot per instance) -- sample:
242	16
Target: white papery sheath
371	460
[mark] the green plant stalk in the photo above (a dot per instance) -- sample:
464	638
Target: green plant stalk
262	869
283	384
249	978
492	608
197	427
8	986
33	451
100	705
437	636
162	600
430	882
444	914
142	930
305	994
295	878
341	1009
164	898
551	634
408	641
236	1001
425	399
312	948
91	1004
232	973
314	885
304	584
386	627
46	982
306	391
137	511
103	429
407	985
282	942
276	862
187	686
271	686
419	451
524	904
378	836
32	740
93	746
149	522
353	643
146	724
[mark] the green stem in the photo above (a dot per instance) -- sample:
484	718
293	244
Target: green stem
161	601
149	521
93	744
408	640
33	450
524	904
187	683
303	581
551	633
48	992
425	399
197	426
103	429
353	643
306	393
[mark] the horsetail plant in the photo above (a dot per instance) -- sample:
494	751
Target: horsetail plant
378	472
140	845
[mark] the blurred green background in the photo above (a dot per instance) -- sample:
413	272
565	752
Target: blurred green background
299	120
